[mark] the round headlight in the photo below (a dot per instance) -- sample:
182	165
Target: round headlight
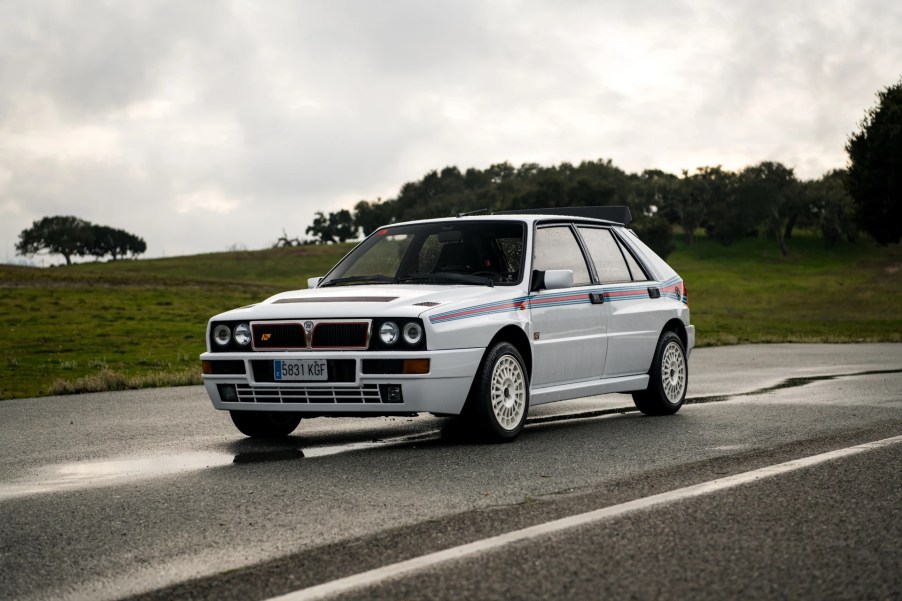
389	332
242	334
413	333
222	335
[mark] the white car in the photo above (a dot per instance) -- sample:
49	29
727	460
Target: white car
475	316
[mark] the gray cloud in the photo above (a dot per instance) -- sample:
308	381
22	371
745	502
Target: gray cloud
203	124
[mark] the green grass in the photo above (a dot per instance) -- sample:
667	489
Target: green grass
747	292
132	324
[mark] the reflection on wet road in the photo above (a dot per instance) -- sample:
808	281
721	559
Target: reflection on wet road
116	471
90	474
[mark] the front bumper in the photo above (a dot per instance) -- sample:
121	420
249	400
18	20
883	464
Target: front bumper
442	390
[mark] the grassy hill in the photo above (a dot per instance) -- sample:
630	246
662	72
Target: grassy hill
130	324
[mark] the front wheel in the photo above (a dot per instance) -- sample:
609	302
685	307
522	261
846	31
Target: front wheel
265	424
667	378
499	399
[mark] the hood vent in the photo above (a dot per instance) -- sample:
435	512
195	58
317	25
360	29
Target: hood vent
426	304
338	299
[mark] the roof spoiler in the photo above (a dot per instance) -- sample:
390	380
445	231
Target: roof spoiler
620	215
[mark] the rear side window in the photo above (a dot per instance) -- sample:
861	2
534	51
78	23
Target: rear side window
605	252
636	270
557	248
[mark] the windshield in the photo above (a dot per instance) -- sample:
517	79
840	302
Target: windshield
447	252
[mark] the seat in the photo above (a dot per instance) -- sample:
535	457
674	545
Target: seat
458	256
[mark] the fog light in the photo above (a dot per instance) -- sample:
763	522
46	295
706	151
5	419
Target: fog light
228	393
391	393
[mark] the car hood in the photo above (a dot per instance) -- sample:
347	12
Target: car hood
367	301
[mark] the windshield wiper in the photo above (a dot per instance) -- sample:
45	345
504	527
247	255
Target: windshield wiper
360	279
449	277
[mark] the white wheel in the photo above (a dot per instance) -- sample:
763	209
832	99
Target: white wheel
673	372
508	392
667	378
499	399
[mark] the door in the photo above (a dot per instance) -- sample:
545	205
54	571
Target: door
568	330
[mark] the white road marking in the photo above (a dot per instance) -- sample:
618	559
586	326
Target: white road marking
395	570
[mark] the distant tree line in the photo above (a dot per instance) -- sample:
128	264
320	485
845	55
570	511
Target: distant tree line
766	199
73	237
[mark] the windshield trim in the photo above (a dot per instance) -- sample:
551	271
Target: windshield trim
432	225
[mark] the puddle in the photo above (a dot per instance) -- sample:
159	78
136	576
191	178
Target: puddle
92	474
789	383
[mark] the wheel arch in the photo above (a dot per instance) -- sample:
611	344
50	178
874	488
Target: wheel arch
517	337
679	328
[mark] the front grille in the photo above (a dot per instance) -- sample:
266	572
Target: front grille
278	336
340	335
340	370
368	393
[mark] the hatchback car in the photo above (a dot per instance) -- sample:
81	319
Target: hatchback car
475	316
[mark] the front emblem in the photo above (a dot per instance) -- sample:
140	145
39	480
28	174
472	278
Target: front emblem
265	337
308	326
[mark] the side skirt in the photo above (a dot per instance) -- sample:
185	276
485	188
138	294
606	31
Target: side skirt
563	392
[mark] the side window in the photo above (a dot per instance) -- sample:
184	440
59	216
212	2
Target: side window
636	270
557	248
609	262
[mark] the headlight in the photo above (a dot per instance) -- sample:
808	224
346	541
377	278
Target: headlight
222	335
242	334
413	333
389	333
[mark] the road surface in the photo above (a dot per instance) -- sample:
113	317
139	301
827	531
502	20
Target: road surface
153	494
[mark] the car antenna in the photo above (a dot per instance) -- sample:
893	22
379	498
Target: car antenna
476	212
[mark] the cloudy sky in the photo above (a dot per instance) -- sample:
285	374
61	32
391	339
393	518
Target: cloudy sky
206	124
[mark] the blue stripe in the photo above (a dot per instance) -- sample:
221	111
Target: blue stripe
548	301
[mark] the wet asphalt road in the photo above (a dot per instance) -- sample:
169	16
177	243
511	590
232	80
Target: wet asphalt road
153	493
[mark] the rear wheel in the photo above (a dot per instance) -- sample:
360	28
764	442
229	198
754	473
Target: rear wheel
265	424
667	379
499	400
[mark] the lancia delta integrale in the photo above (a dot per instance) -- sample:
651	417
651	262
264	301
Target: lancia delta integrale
477	316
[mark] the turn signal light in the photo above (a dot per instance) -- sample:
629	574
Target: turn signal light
416	366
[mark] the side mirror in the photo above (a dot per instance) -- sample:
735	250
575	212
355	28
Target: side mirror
312	282
558	278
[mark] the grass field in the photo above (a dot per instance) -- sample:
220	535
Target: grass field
131	324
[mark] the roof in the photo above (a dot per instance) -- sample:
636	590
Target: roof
611	215
619	215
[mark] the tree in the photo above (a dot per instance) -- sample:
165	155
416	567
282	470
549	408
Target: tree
338	225
73	237
833	208
771	187
657	233
60	235
342	224
114	242
875	167
370	215
320	228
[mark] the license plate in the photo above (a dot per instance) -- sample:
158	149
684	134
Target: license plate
300	369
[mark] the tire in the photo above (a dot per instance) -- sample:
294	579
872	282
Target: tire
499	398
265	424
668	378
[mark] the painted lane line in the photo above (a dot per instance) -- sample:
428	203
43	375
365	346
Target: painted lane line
396	570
